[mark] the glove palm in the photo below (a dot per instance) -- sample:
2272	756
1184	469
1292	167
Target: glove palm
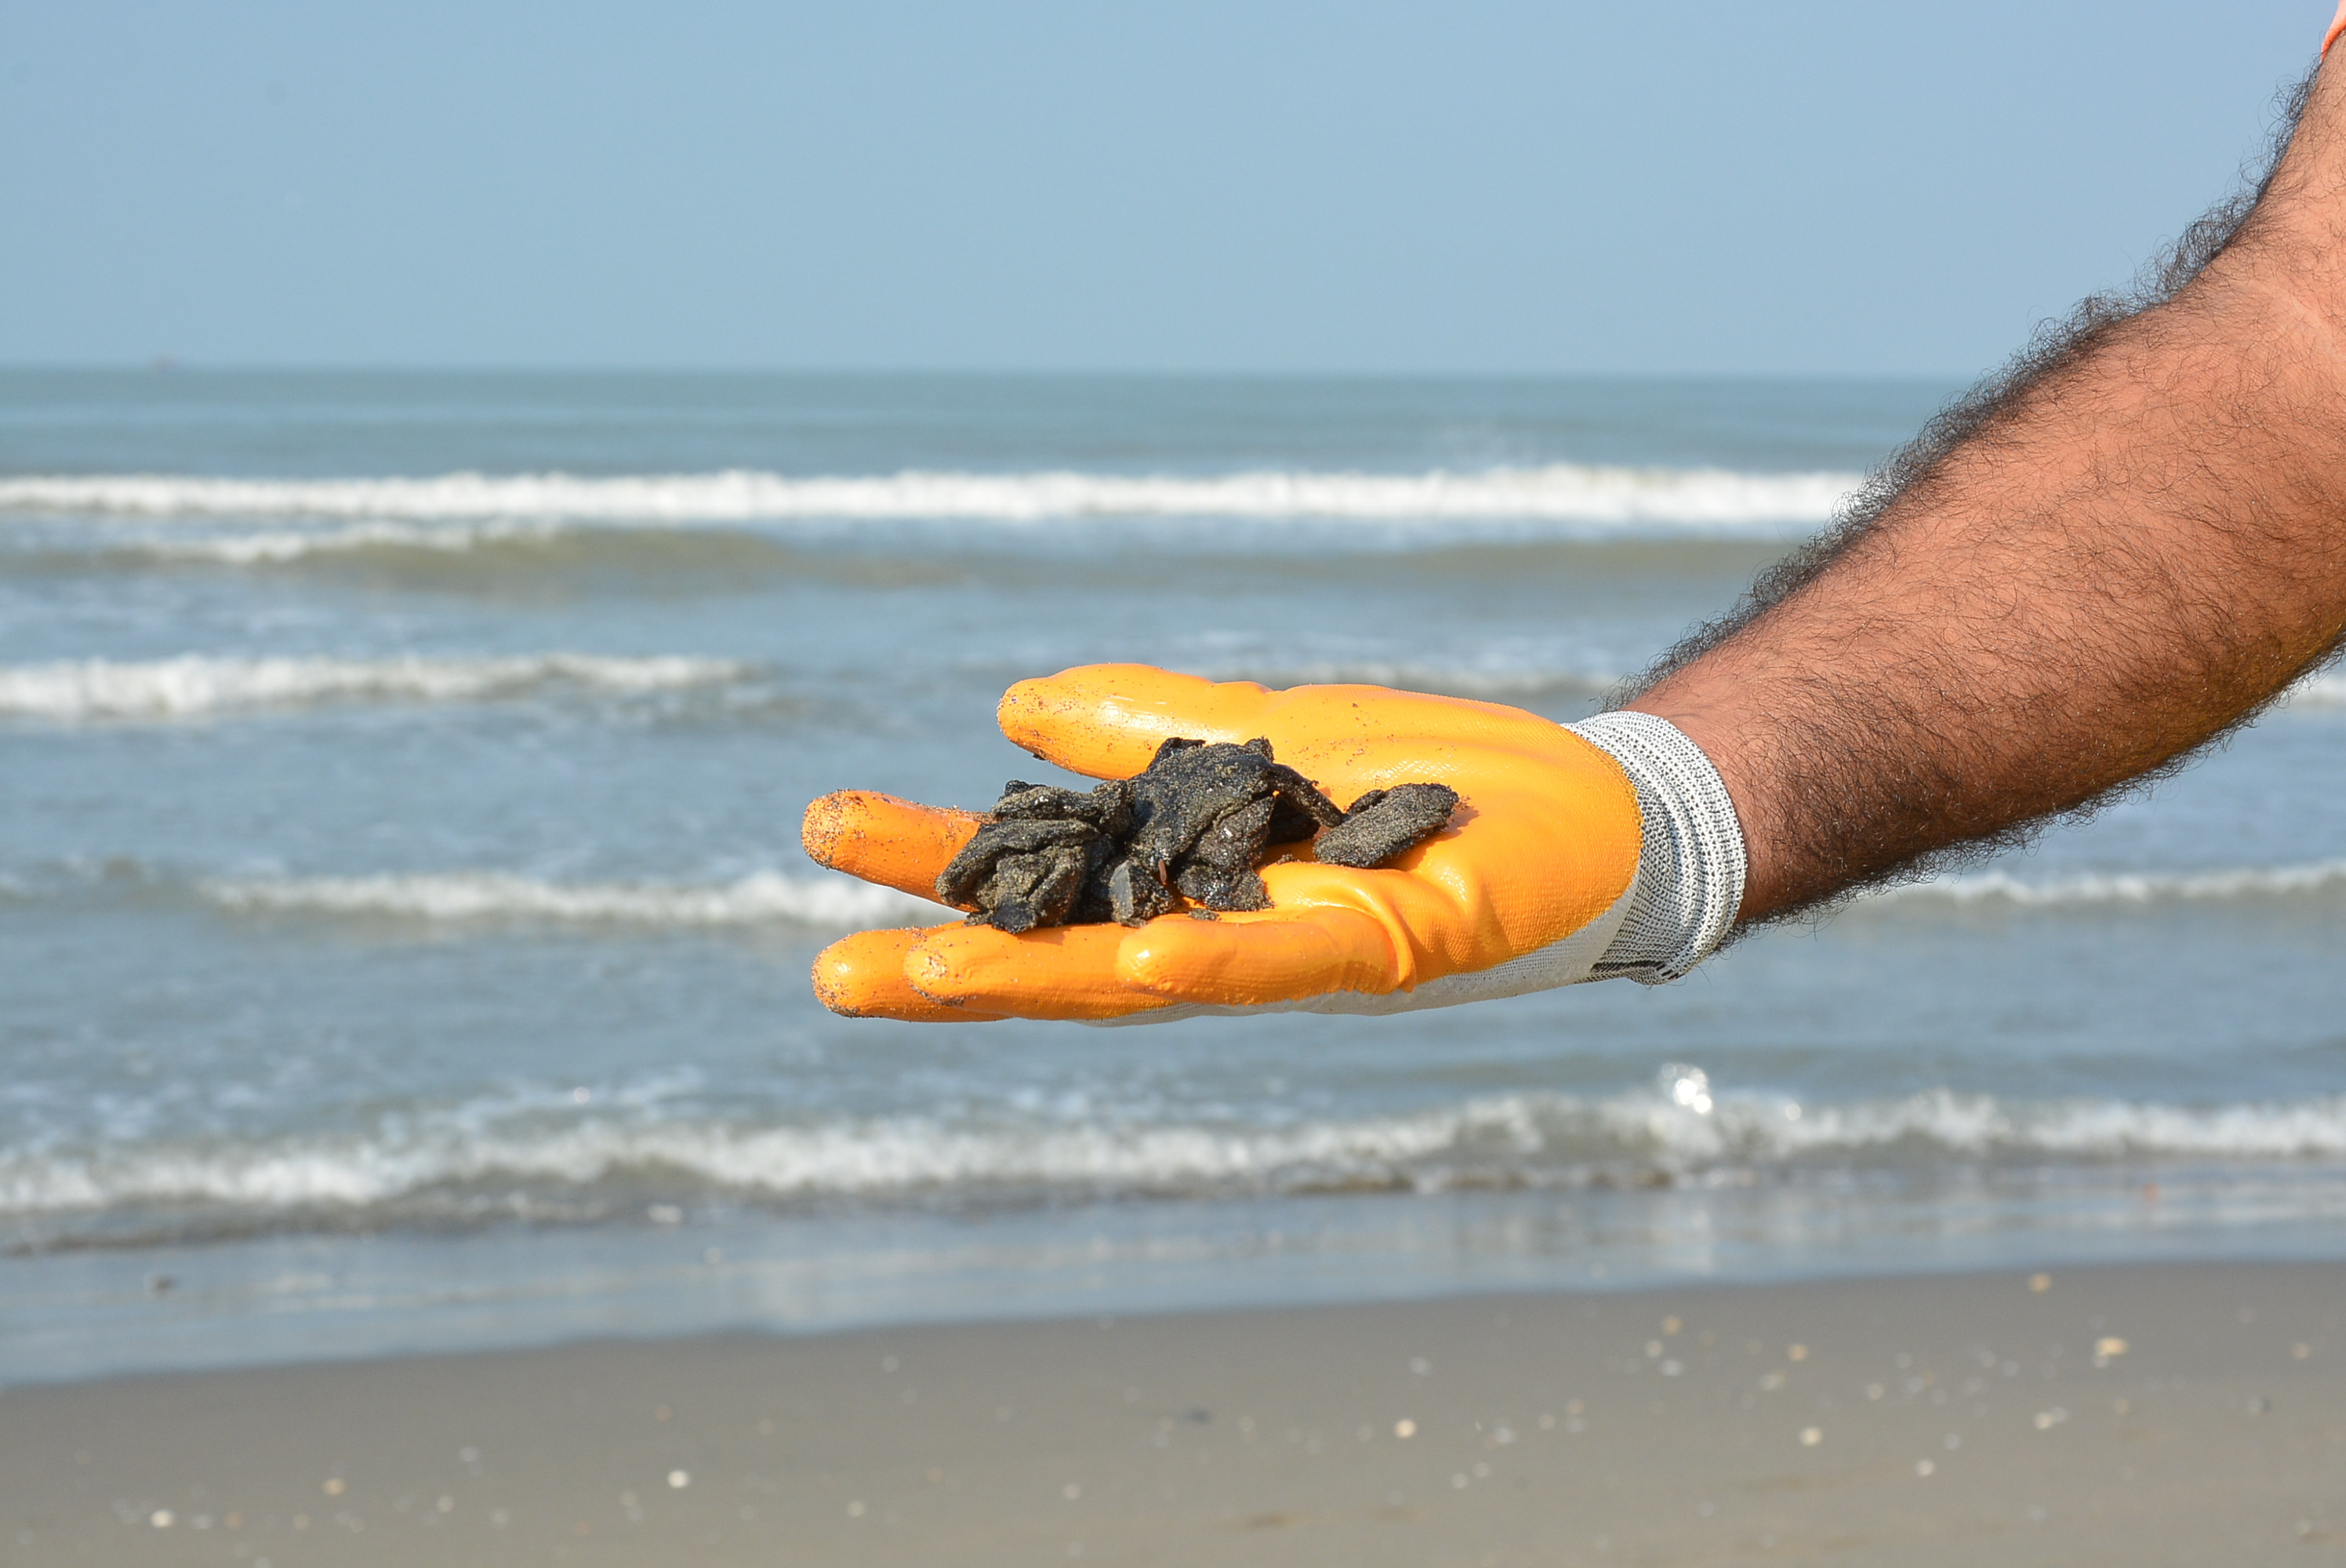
1522	892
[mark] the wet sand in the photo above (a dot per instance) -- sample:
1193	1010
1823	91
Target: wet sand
2169	1414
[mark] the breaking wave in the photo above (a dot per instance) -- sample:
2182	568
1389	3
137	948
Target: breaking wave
284	546
1566	493
2226	884
835	901
429	1162
195	686
760	898
1495	683
2325	688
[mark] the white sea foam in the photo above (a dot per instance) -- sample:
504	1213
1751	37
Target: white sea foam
2228	883
842	902
1565	492
1946	1123
281	546
1501	680
760	898
1536	1139
1498	683
2325	688
195	686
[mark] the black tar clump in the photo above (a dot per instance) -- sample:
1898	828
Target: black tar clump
1383	822
1198	822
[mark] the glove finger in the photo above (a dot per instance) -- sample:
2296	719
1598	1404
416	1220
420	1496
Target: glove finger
862	977
896	843
1107	720
1064	972
1247	961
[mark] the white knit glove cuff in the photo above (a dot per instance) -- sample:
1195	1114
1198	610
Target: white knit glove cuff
1690	871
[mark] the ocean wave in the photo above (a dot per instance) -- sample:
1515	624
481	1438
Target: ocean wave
1497	683
195	685
1567	492
760	898
284	547
1514	1140
768	896
2324	689
2223	884
840	901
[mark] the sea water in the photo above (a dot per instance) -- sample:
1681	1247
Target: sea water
403	933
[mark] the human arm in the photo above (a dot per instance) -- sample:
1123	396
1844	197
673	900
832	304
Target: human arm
2113	555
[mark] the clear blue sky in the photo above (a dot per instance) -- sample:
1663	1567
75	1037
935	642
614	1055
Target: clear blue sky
1509	185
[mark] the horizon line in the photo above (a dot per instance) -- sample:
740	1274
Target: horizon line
166	365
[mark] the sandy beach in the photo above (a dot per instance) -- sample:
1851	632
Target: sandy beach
2162	1414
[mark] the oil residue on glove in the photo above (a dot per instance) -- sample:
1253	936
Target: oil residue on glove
1198	822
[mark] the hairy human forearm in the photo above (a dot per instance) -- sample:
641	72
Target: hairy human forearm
2123	549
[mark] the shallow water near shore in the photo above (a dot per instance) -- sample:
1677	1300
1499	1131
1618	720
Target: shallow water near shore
404	934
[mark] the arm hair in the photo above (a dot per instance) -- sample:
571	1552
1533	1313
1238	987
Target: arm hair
2099	561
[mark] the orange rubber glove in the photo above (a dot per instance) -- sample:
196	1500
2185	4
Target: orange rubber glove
1528	887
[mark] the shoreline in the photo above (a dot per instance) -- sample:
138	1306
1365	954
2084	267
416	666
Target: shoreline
74	1314
2184	1412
